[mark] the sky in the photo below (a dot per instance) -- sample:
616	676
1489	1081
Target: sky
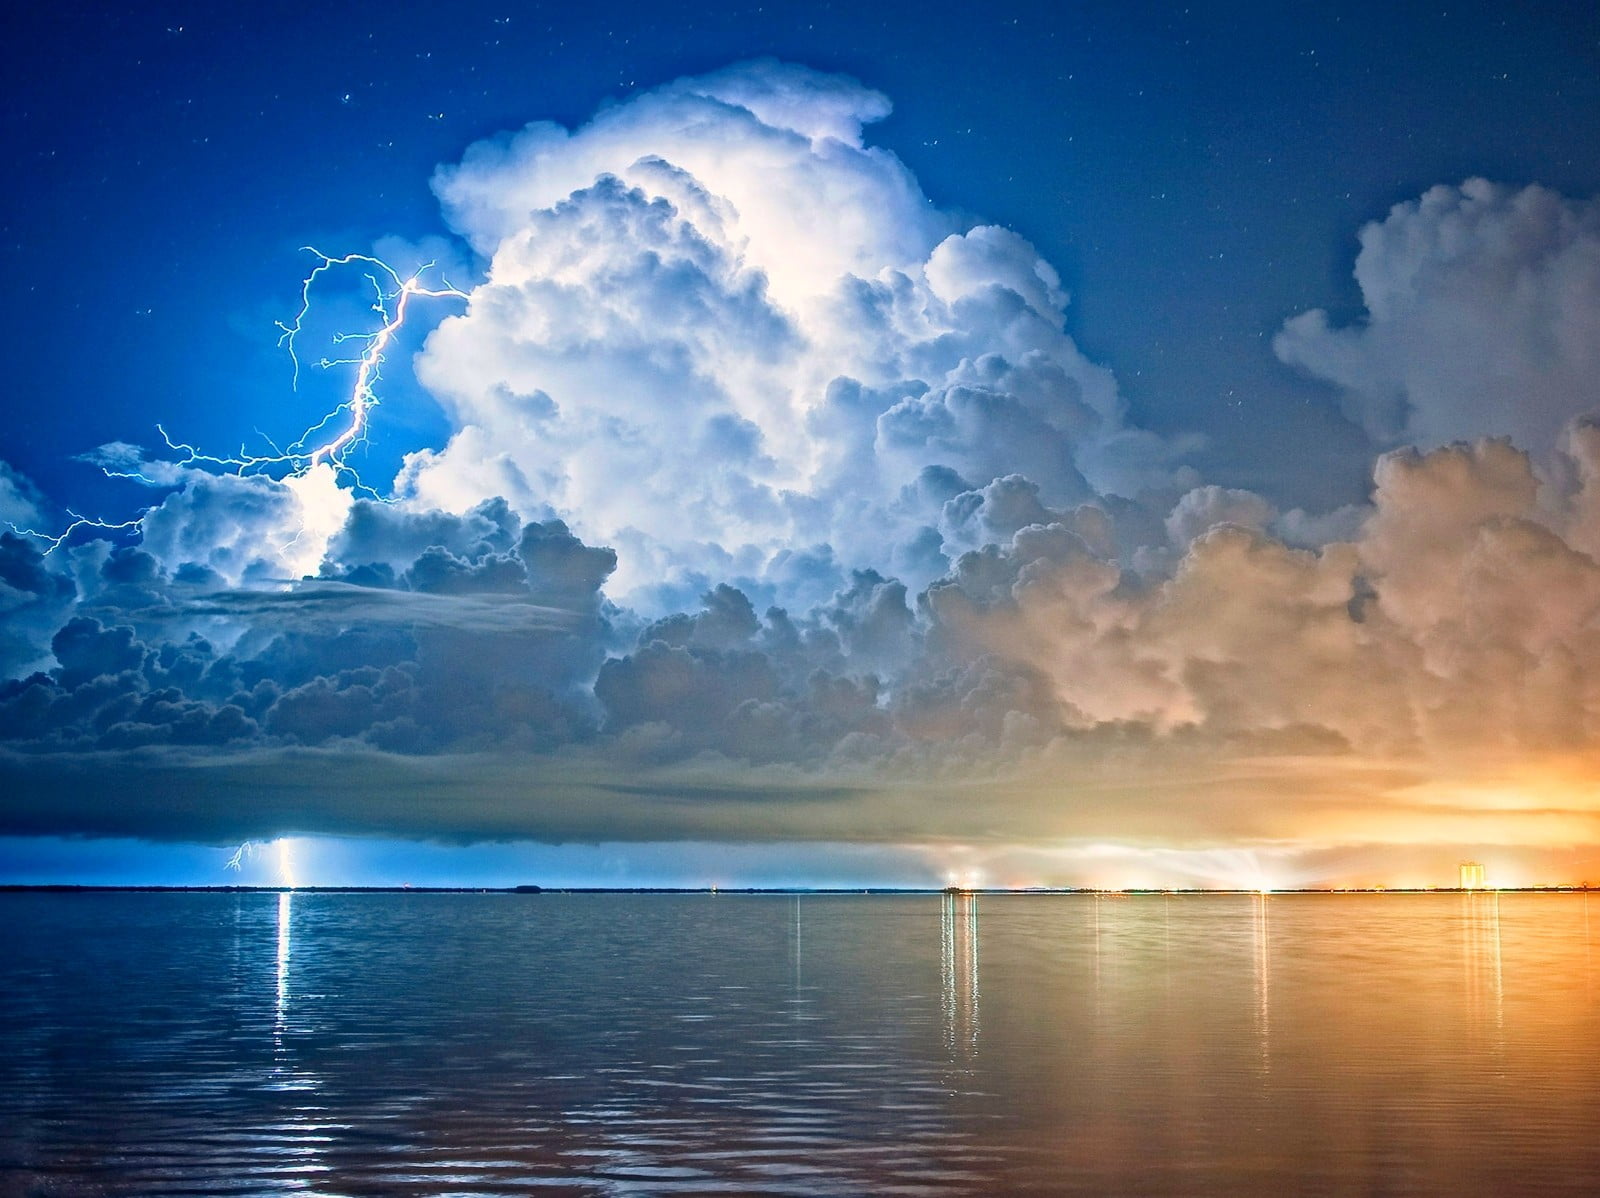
863	445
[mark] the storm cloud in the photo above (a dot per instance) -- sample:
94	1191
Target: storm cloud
779	504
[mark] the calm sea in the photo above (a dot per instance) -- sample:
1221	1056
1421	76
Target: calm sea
400	1044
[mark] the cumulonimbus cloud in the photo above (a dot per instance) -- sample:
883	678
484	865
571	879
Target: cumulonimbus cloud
780	504
718	326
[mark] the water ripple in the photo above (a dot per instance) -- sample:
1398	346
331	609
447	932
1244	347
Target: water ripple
356	1045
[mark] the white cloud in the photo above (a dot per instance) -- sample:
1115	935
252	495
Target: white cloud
1204	508
248	528
1483	319
717	325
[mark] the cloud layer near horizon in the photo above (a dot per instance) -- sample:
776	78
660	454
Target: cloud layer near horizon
780	505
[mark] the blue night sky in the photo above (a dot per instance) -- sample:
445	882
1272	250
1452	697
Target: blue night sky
872	444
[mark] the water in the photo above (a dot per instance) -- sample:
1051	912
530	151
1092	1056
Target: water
394	1044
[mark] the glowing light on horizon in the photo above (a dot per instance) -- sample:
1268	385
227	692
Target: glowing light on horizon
327	442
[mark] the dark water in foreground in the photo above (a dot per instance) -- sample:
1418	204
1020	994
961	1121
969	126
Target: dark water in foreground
390	1044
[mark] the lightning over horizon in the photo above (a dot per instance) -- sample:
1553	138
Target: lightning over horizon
282	851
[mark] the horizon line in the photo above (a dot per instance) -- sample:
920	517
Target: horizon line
529	889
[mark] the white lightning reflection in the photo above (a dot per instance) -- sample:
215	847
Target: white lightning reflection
281	1008
327	442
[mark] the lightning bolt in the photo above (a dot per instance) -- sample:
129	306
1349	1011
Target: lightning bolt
250	849
245	852
344	428
56	540
286	863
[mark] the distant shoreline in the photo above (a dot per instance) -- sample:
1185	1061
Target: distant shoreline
74	888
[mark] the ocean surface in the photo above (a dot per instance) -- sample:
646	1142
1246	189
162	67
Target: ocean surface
433	1044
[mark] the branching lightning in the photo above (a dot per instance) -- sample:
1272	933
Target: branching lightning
245	852
283	849
56	539
341	430
345	426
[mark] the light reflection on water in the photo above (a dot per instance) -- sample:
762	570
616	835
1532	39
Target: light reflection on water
628	1044
958	971
1261	943
285	914
1481	953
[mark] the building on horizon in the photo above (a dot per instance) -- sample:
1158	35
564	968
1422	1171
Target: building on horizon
1473	876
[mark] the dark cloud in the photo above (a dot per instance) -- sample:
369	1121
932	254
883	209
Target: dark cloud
1040	677
33	601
